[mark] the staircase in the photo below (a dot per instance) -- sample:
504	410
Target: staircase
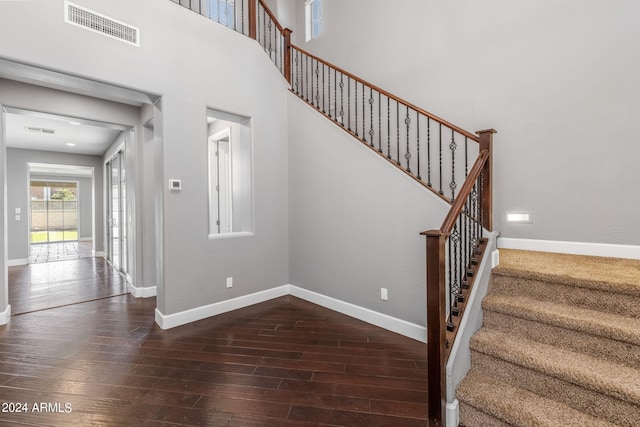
560	344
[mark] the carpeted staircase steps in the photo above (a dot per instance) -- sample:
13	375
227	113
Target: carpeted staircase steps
560	345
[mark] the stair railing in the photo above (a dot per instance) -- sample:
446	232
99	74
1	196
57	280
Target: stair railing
432	151
454	253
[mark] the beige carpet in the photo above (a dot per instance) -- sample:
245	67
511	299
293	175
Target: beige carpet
560	344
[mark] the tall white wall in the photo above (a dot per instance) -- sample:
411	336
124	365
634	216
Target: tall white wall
356	220
558	80
192	64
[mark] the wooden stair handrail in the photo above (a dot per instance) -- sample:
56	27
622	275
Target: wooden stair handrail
390	95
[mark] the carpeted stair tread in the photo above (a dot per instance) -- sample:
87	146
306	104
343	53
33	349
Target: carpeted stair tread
584	342
612	379
607	325
518	407
610	274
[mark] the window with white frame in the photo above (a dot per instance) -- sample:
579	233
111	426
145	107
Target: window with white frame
313	18
230	174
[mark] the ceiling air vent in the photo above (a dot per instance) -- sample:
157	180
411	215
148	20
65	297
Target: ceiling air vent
99	23
39	130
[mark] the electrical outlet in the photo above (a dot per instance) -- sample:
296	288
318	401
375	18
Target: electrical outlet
383	294
229	282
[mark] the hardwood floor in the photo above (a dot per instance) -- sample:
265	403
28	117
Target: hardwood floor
53	284
285	362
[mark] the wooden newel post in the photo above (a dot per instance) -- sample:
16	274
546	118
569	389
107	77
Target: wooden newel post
436	328
253	19
486	143
287	54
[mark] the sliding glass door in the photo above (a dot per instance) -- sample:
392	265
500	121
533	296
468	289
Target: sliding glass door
54	211
117	212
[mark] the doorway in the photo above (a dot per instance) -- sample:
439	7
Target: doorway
116	222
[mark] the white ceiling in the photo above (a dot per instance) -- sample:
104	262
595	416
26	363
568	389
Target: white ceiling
88	137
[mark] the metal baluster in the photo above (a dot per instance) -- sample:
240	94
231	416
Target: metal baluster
440	150
379	122
388	128
418	143
329	93
335	94
342	99
242	12
364	117
323	105
466	156
452	296
317	71
306	68
355	107
407	155
270	25
453	184
297	73
465	234
398	133
371	131
349	103
429	151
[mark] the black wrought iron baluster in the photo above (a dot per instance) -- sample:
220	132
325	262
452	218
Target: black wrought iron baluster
311	101
407	155
398	133
429	151
466	157
418	143
371	131
480	204
235	13
388	128
242	12
452	296
335	94
306	69
297	72
440	150
329	92
342	99
349	103
355	106
379	122
453	147
264	29
364	116
465	244
323	105
317	72
270	26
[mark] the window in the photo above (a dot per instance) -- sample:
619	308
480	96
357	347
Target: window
230	175
313	18
222	11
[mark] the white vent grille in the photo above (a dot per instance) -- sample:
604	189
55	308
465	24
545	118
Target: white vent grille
96	22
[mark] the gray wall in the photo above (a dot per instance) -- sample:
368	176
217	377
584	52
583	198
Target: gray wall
206	66
355	220
558	80
18	194
85	201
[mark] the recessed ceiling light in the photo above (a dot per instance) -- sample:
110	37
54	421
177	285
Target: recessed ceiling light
70	144
75	123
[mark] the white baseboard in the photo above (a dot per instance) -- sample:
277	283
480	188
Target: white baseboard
5	315
575	248
182	318
402	327
146	292
15	262
384	321
453	414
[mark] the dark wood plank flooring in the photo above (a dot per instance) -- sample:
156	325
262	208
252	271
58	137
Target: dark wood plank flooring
54	284
285	362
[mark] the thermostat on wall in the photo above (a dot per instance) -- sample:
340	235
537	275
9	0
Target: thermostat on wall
175	185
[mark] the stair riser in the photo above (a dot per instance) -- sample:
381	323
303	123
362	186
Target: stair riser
605	301
472	417
615	351
580	398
